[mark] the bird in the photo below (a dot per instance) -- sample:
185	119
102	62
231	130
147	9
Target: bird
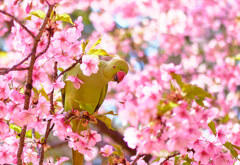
92	92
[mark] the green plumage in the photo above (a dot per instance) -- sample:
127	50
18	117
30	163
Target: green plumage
91	93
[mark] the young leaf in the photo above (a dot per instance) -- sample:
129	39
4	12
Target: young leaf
38	13
35	91
60	69
28	17
230	147
15	128
44	94
178	78
107	121
118	150
87	107
96	43
3	54
99	52
212	126
84	44
237	147
29	134
107	113
64	17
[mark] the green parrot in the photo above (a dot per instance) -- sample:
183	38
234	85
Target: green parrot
92	92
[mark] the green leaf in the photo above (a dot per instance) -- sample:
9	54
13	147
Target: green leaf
237	147
237	57
188	160
230	147
38	13
28	17
156	160
96	43
225	119
107	113
64	77
118	150
84	44
29	134
107	121
172	87
164	107
60	69
59	99
15	128
212	126
178	78
99	52
64	17
35	91
87	107
44	94
177	160
3	54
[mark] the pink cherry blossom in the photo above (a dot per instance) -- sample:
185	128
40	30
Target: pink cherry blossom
202	155
78	25
53	1
57	85
107	150
76	82
221	134
89	64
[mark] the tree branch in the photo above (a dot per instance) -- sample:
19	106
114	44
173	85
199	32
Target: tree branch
19	22
52	109
69	68
137	158
3	70
115	136
29	82
169	157
46	48
14	67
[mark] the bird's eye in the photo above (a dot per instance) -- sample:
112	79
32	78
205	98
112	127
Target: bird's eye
114	66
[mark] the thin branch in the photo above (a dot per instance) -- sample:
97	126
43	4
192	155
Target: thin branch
116	136
169	157
46	48
3	70
29	82
19	22
44	143
69	68
52	110
14	67
34	136
137	158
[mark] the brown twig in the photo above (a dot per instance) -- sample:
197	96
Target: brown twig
52	109
69	68
137	158
19	22
34	137
169	156
29	82
14	67
46	48
3	70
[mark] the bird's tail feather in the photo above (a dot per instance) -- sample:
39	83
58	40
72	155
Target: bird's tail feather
77	158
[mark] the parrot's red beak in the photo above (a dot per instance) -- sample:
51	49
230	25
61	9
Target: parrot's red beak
118	77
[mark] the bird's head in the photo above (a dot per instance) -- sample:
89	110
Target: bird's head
116	70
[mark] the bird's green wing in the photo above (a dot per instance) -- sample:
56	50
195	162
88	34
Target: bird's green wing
63	96
102	97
